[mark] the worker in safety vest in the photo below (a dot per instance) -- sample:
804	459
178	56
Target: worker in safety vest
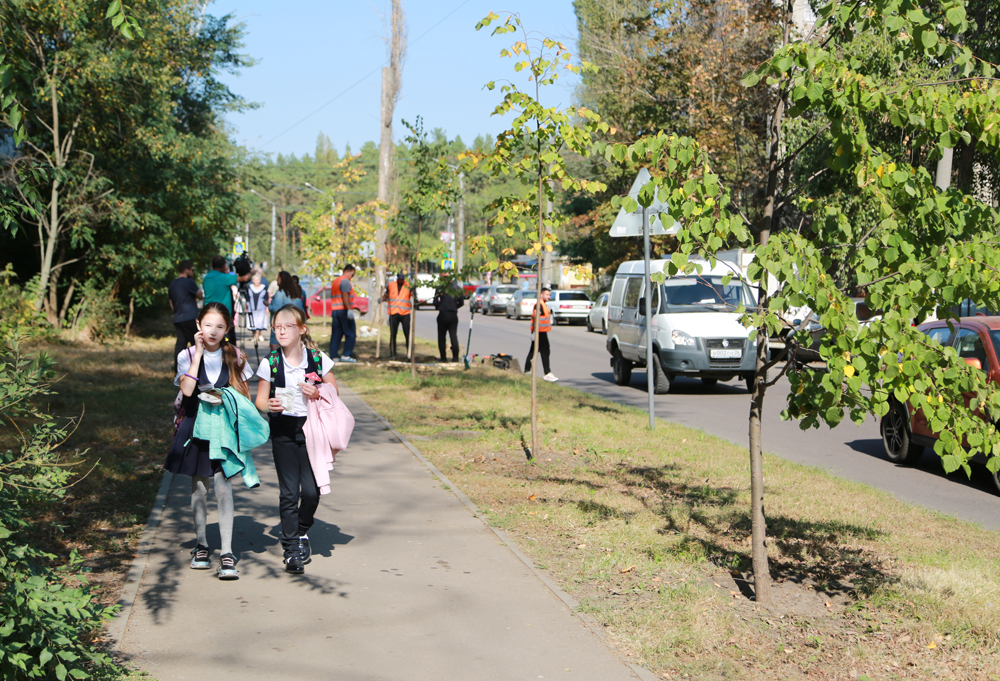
343	316
542	316
397	293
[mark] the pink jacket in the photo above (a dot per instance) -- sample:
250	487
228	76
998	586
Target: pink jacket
328	429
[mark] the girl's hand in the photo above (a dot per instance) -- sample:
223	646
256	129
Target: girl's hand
199	342
274	404
309	390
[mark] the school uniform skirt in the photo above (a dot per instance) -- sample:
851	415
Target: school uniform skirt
189	455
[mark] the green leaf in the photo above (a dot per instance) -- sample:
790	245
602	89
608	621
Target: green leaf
751	79
113	8
61	672
955	15
929	39
814	92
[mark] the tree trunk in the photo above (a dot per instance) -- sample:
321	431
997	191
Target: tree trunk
758	521
131	313
413	307
47	245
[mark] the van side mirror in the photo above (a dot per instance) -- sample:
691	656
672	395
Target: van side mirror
642	307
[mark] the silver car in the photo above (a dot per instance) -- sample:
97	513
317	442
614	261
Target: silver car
570	306
495	300
521	304
597	318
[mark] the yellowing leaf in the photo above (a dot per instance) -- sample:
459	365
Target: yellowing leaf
848	371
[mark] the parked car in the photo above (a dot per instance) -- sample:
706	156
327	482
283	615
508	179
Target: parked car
906	431
597	318
424	292
495	300
320	303
476	299
521	304
570	306
697	331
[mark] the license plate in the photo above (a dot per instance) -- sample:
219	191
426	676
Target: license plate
725	354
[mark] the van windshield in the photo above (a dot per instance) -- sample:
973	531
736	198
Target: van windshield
704	294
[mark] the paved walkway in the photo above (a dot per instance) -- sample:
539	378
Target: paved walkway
405	584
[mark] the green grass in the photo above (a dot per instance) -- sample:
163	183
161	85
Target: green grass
650	531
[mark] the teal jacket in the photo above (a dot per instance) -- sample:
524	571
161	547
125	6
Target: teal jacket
232	429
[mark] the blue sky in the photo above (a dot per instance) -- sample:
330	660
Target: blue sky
310	51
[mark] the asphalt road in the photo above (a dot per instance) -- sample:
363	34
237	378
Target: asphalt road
581	361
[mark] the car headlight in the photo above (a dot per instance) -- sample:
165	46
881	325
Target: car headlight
681	338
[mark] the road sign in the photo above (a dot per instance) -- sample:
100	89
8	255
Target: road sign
447	264
630	224
238	246
367	249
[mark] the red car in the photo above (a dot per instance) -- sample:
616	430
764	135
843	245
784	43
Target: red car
905	431
321	304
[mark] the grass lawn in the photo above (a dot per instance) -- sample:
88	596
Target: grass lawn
651	533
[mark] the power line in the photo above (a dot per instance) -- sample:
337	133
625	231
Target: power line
360	80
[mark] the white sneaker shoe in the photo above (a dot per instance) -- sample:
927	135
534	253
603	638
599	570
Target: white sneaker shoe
550	377
349	360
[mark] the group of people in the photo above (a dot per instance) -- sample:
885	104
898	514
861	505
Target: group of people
290	378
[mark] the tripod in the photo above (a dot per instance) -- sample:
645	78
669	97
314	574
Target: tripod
249	323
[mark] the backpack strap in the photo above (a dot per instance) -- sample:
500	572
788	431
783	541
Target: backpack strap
315	360
274	362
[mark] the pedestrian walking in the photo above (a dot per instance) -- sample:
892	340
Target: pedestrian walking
447	300
302	295
542	316
257	300
343	316
212	362
397	293
288	377
287	293
220	286
184	296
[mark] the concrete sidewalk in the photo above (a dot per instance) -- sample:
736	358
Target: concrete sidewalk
405	584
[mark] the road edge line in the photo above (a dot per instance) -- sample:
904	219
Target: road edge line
140	559
571	603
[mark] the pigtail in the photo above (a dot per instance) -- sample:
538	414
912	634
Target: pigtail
308	341
235	362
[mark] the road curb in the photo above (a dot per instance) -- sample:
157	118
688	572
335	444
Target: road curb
567	600
116	628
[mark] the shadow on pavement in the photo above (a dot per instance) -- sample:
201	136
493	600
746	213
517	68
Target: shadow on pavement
680	386
930	463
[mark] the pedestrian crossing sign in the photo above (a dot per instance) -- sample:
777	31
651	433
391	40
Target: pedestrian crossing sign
447	264
238	246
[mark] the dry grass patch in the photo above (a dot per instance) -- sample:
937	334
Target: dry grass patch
650	531
125	395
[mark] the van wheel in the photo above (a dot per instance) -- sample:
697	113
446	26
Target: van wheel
896	437
621	368
709	382
661	382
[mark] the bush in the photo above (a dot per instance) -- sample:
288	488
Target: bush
47	617
17	309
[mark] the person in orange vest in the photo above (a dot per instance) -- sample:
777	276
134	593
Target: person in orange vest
397	293
542	316
343	316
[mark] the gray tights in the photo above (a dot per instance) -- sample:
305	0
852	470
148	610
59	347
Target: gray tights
224	499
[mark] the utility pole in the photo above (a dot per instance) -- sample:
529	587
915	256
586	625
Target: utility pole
460	246
274	219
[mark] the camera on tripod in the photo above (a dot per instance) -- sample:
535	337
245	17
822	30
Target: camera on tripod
242	264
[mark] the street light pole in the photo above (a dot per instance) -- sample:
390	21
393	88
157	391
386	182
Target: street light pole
274	218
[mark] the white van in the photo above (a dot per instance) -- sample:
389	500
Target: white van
425	291
696	330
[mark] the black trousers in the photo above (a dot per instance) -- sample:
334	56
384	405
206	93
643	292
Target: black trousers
448	324
395	322
185	337
543	352
298	494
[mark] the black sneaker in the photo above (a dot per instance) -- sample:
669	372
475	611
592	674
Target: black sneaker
199	558
227	567
305	551
293	564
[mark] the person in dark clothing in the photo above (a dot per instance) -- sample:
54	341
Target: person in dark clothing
184	296
447	299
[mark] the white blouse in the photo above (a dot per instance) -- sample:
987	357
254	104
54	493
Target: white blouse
212	362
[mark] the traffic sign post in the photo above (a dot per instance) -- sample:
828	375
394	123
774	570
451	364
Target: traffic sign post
447	264
636	224
239	248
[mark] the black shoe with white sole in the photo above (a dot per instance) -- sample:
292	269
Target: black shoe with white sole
293	564
304	550
227	567
199	558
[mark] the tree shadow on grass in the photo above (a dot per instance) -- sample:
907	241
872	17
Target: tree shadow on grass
711	521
